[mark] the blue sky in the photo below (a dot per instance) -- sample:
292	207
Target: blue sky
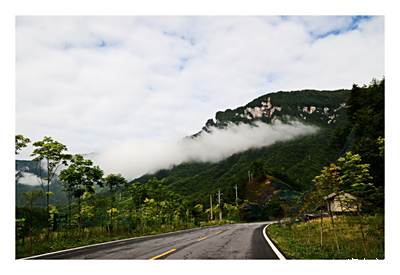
351	23
96	82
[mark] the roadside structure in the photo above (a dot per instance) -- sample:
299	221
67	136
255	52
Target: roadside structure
341	203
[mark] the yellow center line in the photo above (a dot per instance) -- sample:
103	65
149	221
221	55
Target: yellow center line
205	237
163	254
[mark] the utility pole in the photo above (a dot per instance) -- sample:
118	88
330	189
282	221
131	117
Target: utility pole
211	207
236	200
250	175
219	203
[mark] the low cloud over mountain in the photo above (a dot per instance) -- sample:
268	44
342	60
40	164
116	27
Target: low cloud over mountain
138	157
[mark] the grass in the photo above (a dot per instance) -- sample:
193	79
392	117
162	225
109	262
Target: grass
302	240
61	240
73	238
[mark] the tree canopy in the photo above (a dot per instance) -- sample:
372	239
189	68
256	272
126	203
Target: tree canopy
20	142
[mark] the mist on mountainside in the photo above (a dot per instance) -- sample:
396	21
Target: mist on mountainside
137	157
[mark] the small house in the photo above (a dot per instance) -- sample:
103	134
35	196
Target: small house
341	203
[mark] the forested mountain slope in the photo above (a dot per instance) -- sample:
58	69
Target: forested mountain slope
273	180
346	120
287	166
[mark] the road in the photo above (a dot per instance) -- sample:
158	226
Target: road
233	241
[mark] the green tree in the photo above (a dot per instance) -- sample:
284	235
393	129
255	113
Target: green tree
327	183
356	180
329	180
197	213
20	229
232	211
355	177
157	189
87	209
80	177
137	192
113	182
20	142
53	216
30	198
378	195
257	170
54	154
366	113
351	176
312	202
273	208
381	146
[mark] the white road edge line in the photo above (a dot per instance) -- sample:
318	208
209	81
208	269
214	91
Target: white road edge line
271	244
115	241
77	248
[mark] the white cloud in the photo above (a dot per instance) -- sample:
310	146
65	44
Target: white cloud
29	179
320	25
139	156
163	77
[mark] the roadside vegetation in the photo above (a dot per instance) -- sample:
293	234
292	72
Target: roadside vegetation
64	239
341	218
100	207
303	240
111	209
129	211
336	212
342	215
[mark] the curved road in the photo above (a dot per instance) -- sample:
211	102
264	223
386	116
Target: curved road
233	241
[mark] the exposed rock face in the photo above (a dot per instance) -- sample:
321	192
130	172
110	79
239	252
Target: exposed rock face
265	110
320	107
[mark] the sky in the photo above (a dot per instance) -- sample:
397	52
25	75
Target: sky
39	47
94	83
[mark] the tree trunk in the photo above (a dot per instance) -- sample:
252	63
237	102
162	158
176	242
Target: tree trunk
69	212
320	227
334	230
48	202
79	214
111	210
362	232
30	225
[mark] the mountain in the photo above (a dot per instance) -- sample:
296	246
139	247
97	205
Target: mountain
346	120
317	107
28	175
287	167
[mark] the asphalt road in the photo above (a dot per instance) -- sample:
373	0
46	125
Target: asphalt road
234	241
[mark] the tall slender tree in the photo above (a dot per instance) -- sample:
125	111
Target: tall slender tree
20	142
137	192
357	180
80	177
54	154
113	182
30	198
328	183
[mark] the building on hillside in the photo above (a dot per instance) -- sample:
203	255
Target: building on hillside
342	203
